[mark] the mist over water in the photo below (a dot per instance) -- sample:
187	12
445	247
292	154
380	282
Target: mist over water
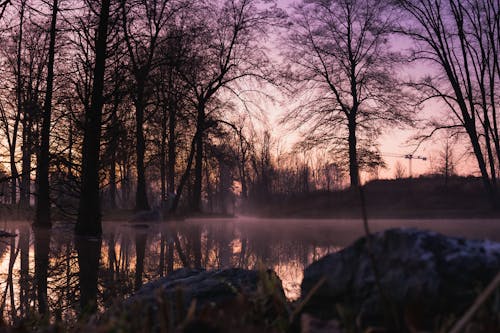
65	274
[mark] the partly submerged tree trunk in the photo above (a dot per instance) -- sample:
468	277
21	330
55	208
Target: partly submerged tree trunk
42	217
89	211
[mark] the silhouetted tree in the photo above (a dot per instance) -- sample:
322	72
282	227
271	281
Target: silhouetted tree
42	217
89	212
460	41
143	23
343	68
225	48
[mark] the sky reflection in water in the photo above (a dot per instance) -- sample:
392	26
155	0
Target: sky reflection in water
67	274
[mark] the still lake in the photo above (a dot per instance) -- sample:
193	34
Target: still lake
54	272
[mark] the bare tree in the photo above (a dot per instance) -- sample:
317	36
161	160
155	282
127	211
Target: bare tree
344	71
42	217
460	40
399	170
143	23
89	212
225	48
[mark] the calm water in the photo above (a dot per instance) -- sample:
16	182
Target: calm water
54	272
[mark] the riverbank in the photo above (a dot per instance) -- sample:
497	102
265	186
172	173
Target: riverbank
424	197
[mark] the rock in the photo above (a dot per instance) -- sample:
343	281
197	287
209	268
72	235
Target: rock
196	297
424	276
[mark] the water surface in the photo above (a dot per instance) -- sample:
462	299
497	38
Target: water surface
54	272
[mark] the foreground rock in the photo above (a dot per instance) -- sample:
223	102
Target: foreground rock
199	300
425	277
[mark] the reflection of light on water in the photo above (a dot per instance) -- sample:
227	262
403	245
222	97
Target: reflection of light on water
236	246
291	275
287	246
286	249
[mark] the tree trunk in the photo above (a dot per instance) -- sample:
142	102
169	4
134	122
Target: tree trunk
141	197
112	181
491	190
185	176
13	169
353	154
89	211
163	157
112	163
198	167
24	196
172	123
42	217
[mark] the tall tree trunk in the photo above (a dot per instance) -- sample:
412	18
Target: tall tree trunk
163	157
112	181
113	148
19	106
491	190
198	167
42	218
141	197
89	211
24	196
172	142
185	176
353	154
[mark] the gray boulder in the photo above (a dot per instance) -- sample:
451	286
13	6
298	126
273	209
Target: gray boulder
167	302
424	276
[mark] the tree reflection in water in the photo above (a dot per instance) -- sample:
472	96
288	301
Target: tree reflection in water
42	247
89	252
71	274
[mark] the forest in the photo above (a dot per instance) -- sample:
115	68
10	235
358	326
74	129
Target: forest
165	104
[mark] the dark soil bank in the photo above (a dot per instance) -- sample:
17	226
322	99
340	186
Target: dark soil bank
424	197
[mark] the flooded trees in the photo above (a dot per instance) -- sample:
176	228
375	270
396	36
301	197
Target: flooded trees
344	71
